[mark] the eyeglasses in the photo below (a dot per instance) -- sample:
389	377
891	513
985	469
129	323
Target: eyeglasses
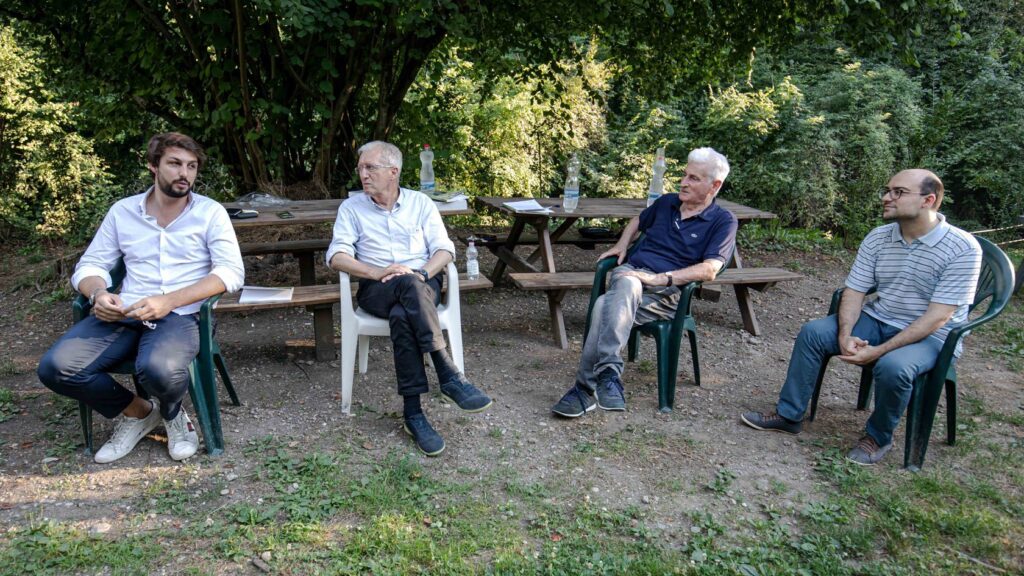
370	168
896	193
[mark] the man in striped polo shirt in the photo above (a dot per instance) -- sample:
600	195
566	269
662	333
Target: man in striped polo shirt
925	272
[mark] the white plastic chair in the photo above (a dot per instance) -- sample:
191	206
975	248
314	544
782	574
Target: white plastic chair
357	326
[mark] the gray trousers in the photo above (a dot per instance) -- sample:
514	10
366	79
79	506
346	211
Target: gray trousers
626	304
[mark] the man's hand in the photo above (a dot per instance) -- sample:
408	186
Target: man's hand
646	278
849	345
150	308
394	270
616	250
107	307
864	355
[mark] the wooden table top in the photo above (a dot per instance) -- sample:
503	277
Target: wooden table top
611	208
309	212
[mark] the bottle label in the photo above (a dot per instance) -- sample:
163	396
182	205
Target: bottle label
473	268
426	186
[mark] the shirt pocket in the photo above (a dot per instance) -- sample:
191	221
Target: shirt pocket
415	240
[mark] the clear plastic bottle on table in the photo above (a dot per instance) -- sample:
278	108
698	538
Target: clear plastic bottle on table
657	177
427	183
571	191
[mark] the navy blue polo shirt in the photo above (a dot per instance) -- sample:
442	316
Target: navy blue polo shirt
671	242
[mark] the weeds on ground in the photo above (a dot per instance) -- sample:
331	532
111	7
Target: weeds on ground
53	548
8	408
774	237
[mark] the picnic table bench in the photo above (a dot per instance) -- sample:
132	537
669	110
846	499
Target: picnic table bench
557	285
320	300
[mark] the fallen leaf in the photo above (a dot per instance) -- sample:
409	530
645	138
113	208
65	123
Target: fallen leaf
427	521
556	537
368	445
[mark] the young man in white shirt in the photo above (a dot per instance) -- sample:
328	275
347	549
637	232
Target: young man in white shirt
179	248
393	239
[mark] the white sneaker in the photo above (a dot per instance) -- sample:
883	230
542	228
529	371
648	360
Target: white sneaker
182	440
127	433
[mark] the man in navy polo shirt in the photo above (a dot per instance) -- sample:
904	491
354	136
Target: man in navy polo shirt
687	237
925	272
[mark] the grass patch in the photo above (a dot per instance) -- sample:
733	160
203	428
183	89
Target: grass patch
8	408
54	548
772	236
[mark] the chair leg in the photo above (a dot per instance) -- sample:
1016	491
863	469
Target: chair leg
920	416
85	414
692	334
455	341
950	412
207	412
364	352
867	379
222	367
349	346
668	368
633	346
817	388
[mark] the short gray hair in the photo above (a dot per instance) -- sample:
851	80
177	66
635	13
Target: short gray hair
389	153
719	164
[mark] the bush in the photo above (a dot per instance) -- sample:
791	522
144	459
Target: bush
52	184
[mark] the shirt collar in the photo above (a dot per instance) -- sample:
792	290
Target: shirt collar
704	214
398	202
145	195
931	238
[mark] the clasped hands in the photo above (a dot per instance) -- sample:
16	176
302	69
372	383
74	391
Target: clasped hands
395	270
858	351
109	308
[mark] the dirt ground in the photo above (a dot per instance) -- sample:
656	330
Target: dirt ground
510	354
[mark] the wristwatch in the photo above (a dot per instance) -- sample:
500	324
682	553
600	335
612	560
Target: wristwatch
668	279
92	297
423	273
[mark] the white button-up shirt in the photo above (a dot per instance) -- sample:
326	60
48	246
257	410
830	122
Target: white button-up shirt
409	234
199	242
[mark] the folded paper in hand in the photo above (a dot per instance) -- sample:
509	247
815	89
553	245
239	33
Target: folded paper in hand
527	206
263	294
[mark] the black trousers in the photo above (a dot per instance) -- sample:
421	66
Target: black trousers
410	305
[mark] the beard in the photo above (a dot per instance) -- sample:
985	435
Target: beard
168	188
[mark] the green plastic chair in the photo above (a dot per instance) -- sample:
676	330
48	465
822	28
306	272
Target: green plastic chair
201	371
995	282
667	334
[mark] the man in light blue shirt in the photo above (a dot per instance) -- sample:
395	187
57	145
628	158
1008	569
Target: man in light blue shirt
393	239
925	272
178	248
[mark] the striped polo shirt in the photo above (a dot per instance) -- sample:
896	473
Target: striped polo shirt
942	266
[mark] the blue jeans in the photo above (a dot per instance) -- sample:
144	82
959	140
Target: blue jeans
76	365
625	304
894	373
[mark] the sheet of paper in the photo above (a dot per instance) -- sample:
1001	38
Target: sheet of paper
527	206
262	294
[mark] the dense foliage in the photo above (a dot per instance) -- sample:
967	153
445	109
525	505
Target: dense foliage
815	103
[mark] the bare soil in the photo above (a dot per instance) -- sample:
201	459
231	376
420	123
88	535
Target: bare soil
660	462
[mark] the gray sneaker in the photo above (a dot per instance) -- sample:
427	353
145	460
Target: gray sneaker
609	391
867	452
771	422
575	403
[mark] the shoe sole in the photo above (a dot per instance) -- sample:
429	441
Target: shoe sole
859	463
763	429
474	410
409	432
590	408
612	409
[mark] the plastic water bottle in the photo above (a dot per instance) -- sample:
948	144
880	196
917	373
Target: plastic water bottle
657	177
427	169
472	264
571	191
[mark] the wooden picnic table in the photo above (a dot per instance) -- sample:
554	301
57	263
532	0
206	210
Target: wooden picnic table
305	250
589	208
